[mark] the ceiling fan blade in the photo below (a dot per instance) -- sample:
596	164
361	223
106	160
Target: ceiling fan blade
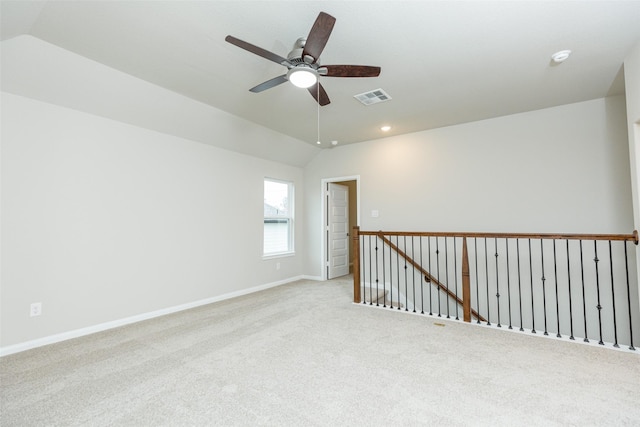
257	50
324	98
269	84
351	71
318	36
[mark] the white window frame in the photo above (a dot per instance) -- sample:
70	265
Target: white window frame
289	218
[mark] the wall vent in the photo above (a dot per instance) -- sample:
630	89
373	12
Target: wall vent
373	97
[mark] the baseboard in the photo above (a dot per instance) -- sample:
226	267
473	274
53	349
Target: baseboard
316	278
64	336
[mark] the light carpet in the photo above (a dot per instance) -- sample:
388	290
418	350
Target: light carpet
303	355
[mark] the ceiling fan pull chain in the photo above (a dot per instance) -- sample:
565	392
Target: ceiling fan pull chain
318	104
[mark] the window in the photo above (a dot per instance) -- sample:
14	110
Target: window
278	217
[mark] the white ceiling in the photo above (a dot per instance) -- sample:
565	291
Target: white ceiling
443	62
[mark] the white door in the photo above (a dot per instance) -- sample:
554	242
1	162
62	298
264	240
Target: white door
337	230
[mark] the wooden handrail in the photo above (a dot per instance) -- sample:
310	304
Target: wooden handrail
633	237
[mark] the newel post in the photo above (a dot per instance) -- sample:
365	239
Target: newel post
466	283
356	263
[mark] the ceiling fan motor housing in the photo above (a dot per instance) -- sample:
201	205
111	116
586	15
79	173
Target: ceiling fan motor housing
295	56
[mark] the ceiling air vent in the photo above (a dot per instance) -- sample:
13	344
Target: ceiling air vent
373	97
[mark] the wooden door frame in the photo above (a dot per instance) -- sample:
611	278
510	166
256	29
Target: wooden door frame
324	217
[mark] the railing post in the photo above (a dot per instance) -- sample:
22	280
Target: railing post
466	283
356	264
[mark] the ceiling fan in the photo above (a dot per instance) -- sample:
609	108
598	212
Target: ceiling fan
303	64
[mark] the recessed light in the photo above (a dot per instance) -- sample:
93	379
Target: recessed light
561	56
334	142
385	128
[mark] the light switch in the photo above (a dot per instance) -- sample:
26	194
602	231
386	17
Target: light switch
375	213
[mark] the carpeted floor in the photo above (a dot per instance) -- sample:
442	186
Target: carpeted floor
303	355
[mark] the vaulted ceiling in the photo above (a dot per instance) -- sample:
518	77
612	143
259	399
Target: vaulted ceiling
443	62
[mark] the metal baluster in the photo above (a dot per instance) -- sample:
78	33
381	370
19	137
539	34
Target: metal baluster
475	244
599	307
533	313
421	281
495	244
486	277
398	264
544	291
570	300
555	274
446	271
384	278
613	301
390	274
413	255
519	283
370	274
626	266
506	245
377	278
363	274
455	270
438	274
406	283
429	280
584	296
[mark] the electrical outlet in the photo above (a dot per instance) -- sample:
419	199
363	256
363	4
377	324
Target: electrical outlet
277	266
36	309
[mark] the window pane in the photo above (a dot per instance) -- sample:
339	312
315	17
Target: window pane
278	217
276	235
276	199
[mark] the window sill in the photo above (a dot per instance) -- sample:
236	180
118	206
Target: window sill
278	255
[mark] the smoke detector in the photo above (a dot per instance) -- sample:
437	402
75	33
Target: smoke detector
561	56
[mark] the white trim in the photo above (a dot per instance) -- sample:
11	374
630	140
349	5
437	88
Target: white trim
64	336
278	255
316	278
323	216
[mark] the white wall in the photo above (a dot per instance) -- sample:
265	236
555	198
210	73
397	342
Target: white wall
103	220
632	88
563	169
36	69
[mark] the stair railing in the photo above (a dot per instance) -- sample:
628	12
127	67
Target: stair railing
575	285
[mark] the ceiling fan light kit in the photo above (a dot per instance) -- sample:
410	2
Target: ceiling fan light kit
303	64
302	76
